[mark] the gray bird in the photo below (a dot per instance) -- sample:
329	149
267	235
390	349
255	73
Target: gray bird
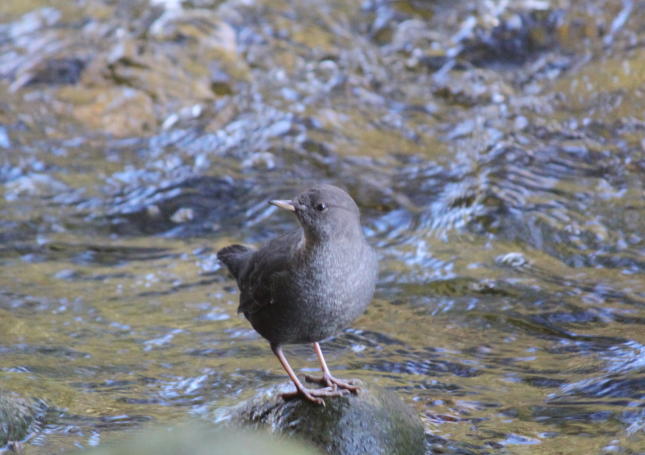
307	285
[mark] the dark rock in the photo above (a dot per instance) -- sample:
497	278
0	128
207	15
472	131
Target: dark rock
193	206
373	422
58	71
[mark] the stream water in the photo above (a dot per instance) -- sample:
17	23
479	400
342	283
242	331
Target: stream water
497	152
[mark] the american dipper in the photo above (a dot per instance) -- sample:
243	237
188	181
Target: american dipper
308	284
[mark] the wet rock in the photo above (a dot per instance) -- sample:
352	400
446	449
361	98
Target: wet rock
119	111
58	71
18	416
373	422
514	38
194	205
189	56
198	440
126	79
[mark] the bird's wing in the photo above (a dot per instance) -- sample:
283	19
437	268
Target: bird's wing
235	257
267	266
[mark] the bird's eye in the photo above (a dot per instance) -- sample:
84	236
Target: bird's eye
321	206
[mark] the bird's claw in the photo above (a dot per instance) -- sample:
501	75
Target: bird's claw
314	395
333	383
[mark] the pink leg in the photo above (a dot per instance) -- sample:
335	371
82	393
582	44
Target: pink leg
301	391
327	379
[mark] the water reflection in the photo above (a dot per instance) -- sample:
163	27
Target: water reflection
496	151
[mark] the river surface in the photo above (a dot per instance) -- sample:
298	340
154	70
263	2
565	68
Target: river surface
496	148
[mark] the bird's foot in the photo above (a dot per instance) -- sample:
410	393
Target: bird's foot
314	395
328	380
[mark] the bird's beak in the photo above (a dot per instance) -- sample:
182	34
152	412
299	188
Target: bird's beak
287	205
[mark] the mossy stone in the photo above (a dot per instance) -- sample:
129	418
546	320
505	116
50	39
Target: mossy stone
18	416
373	422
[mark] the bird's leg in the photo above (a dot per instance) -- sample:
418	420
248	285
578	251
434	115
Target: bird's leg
327	379
301	391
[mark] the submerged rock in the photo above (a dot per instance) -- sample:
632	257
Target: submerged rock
373	422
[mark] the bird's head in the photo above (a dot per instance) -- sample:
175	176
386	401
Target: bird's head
325	212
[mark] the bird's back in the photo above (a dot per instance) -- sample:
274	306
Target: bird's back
256	270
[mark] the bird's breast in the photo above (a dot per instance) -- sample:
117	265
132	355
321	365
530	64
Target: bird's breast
335	276
318	296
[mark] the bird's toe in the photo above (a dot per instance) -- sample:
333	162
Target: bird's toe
333	383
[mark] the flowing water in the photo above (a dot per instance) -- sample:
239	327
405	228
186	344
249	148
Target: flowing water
496	149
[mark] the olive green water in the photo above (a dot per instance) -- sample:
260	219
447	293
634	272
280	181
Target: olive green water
497	152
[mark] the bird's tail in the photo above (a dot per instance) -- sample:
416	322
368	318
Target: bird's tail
234	257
